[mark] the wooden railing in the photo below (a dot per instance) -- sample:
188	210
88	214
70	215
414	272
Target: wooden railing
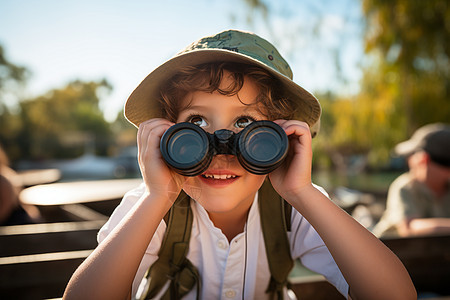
37	260
427	259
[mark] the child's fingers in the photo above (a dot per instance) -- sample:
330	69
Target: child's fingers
296	128
152	127
146	127
300	151
296	170
149	135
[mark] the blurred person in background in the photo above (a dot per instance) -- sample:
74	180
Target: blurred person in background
418	202
11	210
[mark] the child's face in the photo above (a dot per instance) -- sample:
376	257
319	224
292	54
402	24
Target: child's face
225	186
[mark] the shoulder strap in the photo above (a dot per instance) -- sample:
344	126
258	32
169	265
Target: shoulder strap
275	220
172	264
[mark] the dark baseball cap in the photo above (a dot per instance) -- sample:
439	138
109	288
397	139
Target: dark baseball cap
433	139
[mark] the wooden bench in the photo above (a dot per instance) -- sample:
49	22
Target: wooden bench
427	259
37	260
40	276
77	201
308	285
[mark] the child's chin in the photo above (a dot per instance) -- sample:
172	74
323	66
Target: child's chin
219	205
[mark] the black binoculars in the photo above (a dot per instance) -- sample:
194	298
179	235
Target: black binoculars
260	147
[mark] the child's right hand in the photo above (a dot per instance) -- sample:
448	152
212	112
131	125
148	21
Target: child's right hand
158	177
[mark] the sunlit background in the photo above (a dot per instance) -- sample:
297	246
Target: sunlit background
122	41
379	68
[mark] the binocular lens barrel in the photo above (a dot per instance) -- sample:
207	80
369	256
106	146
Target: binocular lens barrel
260	147
185	147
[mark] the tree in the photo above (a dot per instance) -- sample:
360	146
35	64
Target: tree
12	76
406	83
312	36
12	79
124	131
304	29
62	122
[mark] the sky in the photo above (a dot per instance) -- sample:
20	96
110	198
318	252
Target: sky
123	41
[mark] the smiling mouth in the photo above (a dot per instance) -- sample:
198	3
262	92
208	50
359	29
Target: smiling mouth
219	177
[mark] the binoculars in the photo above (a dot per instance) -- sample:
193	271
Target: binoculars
260	147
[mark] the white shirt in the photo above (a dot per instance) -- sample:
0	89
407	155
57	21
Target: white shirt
230	270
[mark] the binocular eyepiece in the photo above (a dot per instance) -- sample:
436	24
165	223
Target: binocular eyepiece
260	147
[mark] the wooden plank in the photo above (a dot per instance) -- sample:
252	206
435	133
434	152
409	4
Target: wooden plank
49	227
427	259
52	237
309	285
44	257
40	276
78	192
315	290
34	177
83	212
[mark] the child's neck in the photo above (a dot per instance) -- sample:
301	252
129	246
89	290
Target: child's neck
231	223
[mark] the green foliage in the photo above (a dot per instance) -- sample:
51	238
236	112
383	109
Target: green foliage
407	82
124	132
12	79
61	123
405	85
10	74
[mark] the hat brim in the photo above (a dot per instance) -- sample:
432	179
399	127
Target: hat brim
143	103
406	148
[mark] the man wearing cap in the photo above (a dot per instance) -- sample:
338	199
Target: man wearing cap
418	201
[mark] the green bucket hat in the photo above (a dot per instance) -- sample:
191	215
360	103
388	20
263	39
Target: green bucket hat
230	46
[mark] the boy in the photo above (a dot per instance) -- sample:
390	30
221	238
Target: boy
228	81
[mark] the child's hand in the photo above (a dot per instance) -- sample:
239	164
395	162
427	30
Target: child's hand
295	173
159	179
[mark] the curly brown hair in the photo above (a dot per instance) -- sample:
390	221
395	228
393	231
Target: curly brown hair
208	77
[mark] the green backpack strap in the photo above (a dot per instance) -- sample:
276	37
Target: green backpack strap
172	264
275	222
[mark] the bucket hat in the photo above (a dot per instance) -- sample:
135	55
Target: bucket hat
226	46
433	139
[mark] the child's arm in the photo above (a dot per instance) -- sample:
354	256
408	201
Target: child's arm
369	267
109	271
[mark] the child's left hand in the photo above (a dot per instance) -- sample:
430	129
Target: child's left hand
295	173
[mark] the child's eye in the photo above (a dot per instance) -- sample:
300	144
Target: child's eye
243	122
197	120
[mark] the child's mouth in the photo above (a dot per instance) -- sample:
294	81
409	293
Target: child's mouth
218	179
